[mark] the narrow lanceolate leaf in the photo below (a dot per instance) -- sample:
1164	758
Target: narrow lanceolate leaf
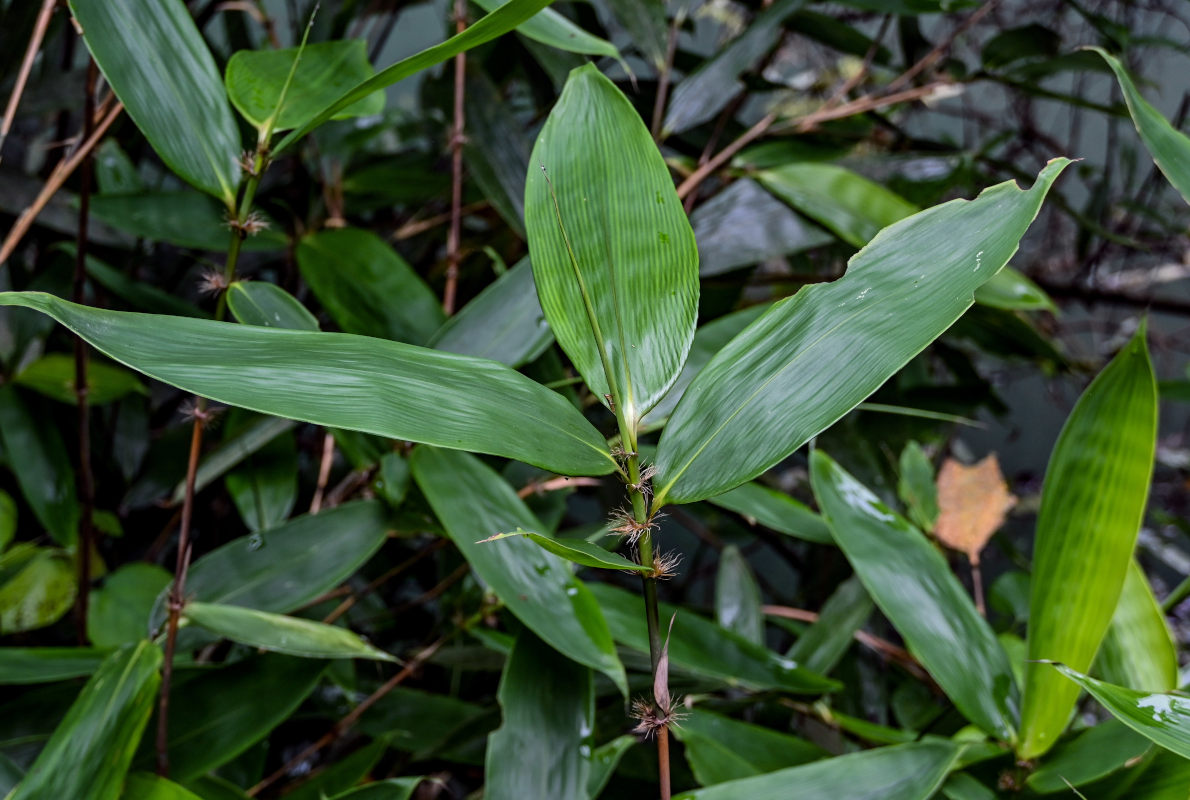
759	504
720	749
146	786
1092	503
1138	650
906	772
45	474
549	712
815	356
1092	754
549	27
737	597
47	664
825	642
914	587
281	634
1169	147
614	257
576	551
268	305
499	22
256	79
1163	718
474	503
346	381
90	750
168	84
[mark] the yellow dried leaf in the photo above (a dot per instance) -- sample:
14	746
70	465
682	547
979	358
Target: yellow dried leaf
972	504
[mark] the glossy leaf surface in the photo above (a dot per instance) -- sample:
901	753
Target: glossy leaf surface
814	356
346	381
268	305
146	786
290	635
169	86
551	28
635	263
737	597
37	587
91	749
773	509
473	502
45	477
1138	650
1092	503
548	704
719	748
53	376
914	587
576	551
906	772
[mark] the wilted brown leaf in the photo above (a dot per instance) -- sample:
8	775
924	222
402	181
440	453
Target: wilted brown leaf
972	504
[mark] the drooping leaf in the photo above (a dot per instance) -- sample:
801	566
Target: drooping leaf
1162	718
346	381
1138	650
973	503
906	772
737	597
719	748
1092	503
53	376
91	749
268	305
290	635
548	702
504	322
46	474
576	551
1092	754
773	509
701	647
914	587
146	786
255	80
20	665
626	261
1169	147
813	357
825	642
473	502
169	86
37	587
119	610
551	28
366	287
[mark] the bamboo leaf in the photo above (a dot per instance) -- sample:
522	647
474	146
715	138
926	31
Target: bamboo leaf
737	597
758	504
720	749
1092	503
825	642
345	381
551	28
814	356
21	665
53	376
268	305
473	502
614	257
1138	650
576	551
290	635
1008	289
119	610
146	786
45	476
1087	757
912	584
169	86
89	752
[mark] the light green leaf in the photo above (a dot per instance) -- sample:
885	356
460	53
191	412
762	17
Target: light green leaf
604	761
551	28
473	502
1012	291
119	610
169	86
700	647
548	703
20	665
281	634
8	519
1089	756
773	509
482	30
1163	718
1138	650
37	587
576	551
621	284
255	80
53	376
1169	147
46	473
146	786
814	356
345	381
89	752
737	597
915	486
914	587
719	748
1092	503
268	305
391	789
906	772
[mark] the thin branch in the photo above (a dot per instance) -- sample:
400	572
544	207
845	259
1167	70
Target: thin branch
554	485
324	471
39	28
663	77
930	58
415	226
346	605
454	234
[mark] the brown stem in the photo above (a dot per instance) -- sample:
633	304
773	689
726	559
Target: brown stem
86	487
663	761
324	471
18	88
671	47
977	585
456	169
940	50
553	485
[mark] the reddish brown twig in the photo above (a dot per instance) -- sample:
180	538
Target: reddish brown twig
454	234
930	58
663	77
18	88
553	485
324	471
415	226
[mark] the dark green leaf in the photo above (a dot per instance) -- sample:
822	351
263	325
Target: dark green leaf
119	610
247	439
720	749
185	219
268	305
646	23
45	473
53	376
291	635
915	485
264	487
825	642
1014	44
604	761
776	510
391	789
1094	753
737	597
47	664
341	774
576	551
8	519
37	586
496	150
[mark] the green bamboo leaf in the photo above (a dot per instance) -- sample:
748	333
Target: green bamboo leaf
614	257
345	381
914	587
249	439
255	80
367	288
290	635
814	356
8	519
473	502
268	305
843	613
548	702
37	587
264	487
183	218
89	753
1087	757
719	748
169	86
146	786
1162	718
551	28
757	503
46	474
1169	147
497	23
906	772
1009	290
576	551
604	762
53	376
1138	650
340	775
391	789
20	665
1092	503
915	486
700	647
119	610
737	597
